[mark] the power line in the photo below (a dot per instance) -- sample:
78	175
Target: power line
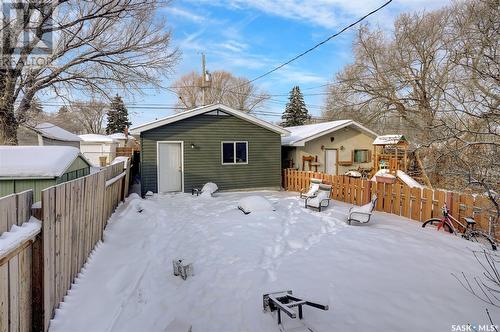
318	44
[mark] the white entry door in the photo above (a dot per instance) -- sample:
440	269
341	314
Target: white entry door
331	162
169	166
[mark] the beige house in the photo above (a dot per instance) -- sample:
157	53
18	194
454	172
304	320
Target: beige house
334	147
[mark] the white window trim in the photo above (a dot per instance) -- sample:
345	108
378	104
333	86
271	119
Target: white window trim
234	152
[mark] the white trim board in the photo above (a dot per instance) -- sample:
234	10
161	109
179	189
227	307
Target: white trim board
204	109
158	163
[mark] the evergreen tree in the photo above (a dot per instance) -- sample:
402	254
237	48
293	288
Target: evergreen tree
117	117
296	113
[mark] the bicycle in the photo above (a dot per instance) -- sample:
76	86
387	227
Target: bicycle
470	233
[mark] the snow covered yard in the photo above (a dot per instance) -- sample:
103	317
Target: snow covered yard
389	275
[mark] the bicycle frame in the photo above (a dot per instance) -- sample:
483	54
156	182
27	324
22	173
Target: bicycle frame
448	219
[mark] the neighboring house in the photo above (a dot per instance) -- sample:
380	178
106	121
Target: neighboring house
123	140
47	134
94	147
39	167
333	147
213	143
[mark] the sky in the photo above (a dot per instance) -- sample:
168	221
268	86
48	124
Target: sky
248	38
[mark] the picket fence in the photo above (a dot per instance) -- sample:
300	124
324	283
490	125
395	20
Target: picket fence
36	274
414	203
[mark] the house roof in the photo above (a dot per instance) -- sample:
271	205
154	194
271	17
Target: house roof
49	130
299	135
205	109
120	136
389	140
96	138
36	161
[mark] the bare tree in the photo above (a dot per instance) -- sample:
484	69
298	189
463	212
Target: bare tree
435	79
224	88
100	44
90	114
398	78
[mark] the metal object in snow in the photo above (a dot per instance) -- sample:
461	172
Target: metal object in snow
182	270
285	301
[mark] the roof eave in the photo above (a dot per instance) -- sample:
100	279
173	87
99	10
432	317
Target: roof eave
200	110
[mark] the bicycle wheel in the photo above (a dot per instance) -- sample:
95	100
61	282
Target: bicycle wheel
482	238
434	223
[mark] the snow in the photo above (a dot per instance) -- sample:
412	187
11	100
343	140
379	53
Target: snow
388	275
208	189
388	139
299	133
96	138
121	136
354	174
119	160
50	130
314	187
408	180
18	234
320	196
255	204
36	161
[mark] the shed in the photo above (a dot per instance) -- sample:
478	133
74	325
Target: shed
95	146
47	133
213	143
39	167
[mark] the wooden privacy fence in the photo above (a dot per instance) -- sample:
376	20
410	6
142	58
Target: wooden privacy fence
415	203
16	266
74	215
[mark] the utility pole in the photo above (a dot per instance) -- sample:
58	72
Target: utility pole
203	79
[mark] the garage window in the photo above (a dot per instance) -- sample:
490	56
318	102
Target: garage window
234	152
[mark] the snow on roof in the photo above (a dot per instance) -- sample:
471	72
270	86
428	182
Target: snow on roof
120	136
36	161
96	138
301	134
389	139
205	109
50	130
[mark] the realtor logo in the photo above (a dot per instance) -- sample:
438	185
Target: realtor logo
26	28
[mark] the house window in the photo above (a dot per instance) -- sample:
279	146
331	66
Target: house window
361	156
234	153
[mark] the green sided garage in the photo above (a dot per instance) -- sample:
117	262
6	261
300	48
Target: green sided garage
212	143
39	167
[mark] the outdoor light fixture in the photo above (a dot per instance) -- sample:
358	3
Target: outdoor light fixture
342	148
193	146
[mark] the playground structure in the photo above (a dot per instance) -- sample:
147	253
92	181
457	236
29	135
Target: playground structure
392	161
390	152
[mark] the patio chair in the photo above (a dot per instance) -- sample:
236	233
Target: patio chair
362	214
313	189
322	198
